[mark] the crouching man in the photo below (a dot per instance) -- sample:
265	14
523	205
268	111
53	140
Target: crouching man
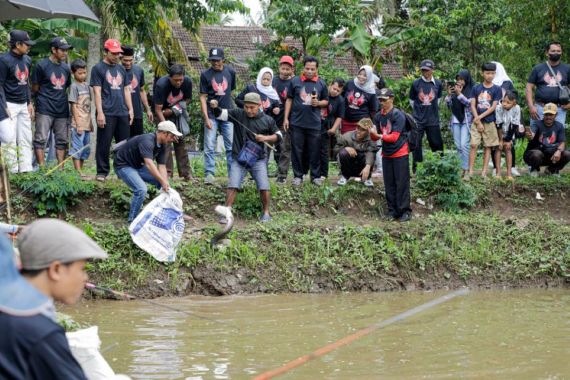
252	130
356	153
134	162
53	257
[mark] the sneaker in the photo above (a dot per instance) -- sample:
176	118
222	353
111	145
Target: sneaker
515	172
297	181
377	174
101	178
368	183
534	173
494	173
209	179
317	182
265	218
389	216
341	181
405	217
281	180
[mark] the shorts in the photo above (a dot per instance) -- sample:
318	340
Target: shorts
58	125
78	142
258	172
489	135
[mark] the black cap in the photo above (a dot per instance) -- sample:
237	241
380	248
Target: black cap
384	93
60	43
216	54
21	36
427	64
128	50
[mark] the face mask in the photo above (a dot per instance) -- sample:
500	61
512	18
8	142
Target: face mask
554	57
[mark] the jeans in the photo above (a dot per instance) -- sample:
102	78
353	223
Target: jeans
560	115
135	180
306	151
433	134
16	138
258	171
78	142
462	137
117	127
210	135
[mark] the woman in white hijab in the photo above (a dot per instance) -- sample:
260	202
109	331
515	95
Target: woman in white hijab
269	97
359	99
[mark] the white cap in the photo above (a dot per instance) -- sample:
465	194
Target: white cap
170	127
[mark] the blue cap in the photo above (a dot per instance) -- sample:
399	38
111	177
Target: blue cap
17	296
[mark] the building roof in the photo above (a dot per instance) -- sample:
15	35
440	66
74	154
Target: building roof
242	42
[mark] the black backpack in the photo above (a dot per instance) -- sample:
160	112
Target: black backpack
412	130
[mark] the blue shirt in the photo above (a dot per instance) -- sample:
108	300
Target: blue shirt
425	95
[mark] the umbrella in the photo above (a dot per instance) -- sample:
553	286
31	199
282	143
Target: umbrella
18	9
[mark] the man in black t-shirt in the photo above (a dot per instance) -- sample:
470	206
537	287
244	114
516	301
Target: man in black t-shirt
16	109
135	78
216	83
306	96
51	78
134	163
282	153
546	82
171	95
332	117
547	144
113	104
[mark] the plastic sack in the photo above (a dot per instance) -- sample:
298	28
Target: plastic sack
84	345
158	229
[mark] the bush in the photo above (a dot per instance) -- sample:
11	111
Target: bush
54	190
439	177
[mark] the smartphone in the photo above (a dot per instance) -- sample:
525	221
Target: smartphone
451	83
314	93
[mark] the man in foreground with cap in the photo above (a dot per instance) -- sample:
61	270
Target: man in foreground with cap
252	131
424	97
53	256
547	145
16	109
51	78
113	104
134	162
216	83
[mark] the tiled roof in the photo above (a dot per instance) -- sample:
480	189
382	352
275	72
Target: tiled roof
241	43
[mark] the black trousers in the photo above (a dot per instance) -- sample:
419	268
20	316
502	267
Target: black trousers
536	158
306	151
325	153
117	127
137	127
351	166
433	134
282	154
396	173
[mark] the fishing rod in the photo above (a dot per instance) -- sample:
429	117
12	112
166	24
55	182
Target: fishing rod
250	131
90	286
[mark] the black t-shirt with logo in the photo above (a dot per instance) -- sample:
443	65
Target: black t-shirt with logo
168	95
334	110
137	148
281	86
358	104
14	74
112	79
393	121
546	138
484	98
425	96
53	79
135	78
304	115
219	86
547	91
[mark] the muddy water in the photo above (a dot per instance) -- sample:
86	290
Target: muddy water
484	335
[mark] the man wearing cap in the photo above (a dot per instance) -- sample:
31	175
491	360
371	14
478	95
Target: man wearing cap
391	125
53	257
16	109
252	126
135	79
113	104
216	83
424	96
547	143
51	78
282	153
134	163
172	94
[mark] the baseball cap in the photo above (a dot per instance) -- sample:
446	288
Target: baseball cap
170	127
216	54
21	36
384	93
114	46
427	64
252	97
550	108
60	43
287	59
47	240
365	123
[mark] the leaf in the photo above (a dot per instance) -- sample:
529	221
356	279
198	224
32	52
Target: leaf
360	40
84	26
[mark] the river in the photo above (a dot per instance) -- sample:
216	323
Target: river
514	334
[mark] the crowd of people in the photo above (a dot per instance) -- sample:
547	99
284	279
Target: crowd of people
302	119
